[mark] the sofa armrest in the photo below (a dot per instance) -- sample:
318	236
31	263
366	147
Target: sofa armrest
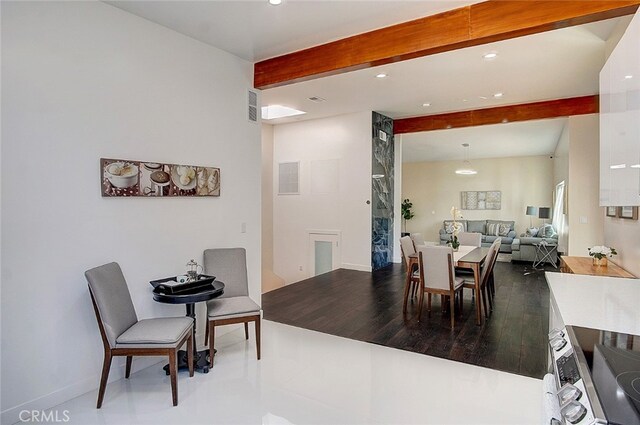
443	232
512	234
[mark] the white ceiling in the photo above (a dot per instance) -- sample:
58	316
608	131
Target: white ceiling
255	30
550	65
527	138
556	64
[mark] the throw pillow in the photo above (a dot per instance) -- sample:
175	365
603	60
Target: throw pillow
532	232
493	229
503	229
546	231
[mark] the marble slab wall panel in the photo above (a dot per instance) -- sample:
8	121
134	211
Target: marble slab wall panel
382	170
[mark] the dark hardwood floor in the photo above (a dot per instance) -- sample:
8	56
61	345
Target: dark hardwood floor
368	307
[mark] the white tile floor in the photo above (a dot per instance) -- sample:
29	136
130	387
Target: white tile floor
306	377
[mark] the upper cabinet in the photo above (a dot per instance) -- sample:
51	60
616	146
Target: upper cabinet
620	122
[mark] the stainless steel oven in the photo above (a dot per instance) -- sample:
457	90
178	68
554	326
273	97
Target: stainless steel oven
596	375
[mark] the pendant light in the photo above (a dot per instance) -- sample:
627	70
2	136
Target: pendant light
466	169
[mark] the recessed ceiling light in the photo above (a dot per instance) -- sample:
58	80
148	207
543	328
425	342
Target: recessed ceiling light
483	97
275	2
381	75
271	112
465	100
635	166
490	55
498	95
618	166
426	105
628	77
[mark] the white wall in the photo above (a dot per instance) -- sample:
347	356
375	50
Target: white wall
346	138
270	280
84	80
576	162
586	217
433	188
397	198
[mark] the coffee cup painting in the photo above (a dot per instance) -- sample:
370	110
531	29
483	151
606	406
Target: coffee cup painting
125	178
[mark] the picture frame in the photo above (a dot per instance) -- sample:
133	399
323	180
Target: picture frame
611	211
630	213
120	178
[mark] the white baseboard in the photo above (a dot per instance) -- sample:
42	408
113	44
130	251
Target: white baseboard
358	267
12	414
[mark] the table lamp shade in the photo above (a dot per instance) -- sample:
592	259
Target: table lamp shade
544	212
532	210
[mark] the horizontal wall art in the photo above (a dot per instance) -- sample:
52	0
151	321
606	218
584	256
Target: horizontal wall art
124	178
487	200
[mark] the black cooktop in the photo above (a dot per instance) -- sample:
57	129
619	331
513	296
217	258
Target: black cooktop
614	362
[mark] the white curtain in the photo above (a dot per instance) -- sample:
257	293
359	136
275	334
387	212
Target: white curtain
559	218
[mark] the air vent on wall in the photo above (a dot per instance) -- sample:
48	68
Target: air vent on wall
288	178
316	99
253	106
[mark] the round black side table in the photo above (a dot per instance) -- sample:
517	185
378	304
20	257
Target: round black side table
189	299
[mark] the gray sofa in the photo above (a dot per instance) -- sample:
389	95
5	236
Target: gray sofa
523	248
480	226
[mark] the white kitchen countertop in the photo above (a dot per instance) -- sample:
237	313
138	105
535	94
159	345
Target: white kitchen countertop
598	302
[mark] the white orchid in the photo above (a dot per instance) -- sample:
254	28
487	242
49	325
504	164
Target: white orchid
601	251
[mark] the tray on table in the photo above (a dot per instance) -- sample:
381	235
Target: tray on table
170	285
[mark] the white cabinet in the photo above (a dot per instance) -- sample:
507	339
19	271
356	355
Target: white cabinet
620	122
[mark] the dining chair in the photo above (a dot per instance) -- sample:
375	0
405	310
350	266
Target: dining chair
487	270
437	276
124	335
229	265
413	277
470	239
418	240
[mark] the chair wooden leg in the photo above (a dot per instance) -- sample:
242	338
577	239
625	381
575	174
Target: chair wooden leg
190	353
127	371
420	300
206	333
212	337
106	366
452	313
174	375
246	330
490	297
483	293
407	285
257	326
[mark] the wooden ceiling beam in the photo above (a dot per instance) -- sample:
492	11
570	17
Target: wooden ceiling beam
473	25
501	114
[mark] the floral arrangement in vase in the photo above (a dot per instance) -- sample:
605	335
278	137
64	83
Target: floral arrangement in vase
600	253
456	215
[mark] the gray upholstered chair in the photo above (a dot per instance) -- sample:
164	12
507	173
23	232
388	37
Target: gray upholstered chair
229	265
124	335
437	276
470	239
